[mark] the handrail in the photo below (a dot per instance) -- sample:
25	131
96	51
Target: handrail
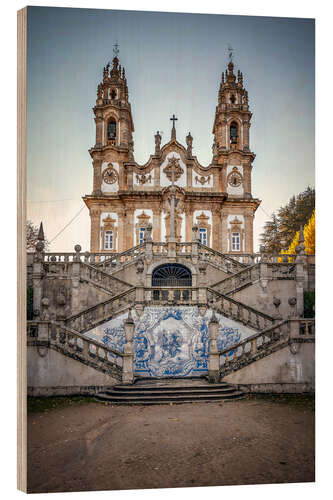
248	269
237	302
101	304
276	340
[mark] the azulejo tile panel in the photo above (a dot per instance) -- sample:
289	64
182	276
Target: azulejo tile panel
170	341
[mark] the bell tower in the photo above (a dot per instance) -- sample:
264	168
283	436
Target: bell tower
231	151
114	122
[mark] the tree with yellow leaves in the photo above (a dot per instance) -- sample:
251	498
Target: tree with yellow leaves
309	238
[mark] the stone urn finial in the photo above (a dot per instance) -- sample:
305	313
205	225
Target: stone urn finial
77	249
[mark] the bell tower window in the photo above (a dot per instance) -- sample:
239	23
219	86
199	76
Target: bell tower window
203	235
112	130
108	240
141	235
235	242
233	133
113	94
232	99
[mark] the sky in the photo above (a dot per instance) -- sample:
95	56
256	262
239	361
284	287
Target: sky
173	64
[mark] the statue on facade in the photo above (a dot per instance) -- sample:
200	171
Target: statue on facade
189	140
157	142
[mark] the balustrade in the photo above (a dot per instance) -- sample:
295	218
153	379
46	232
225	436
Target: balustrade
95	315
238	311
171	295
73	343
256	346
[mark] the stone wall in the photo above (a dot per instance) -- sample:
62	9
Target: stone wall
262	298
281	371
56	374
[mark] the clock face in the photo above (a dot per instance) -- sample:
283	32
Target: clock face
110	175
235	178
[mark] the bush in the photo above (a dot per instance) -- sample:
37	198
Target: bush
309	304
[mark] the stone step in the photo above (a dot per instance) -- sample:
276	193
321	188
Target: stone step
165	392
169	388
166	399
169	392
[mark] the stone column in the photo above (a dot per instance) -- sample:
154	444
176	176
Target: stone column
246	140
224	133
189	175
121	224
97	182
156	224
224	178
37	282
247	169
127	375
216	228
188	223
214	358
129	229
75	278
224	232
99	130
248	218
95	232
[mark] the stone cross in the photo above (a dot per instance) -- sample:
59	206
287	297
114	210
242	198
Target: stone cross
173	131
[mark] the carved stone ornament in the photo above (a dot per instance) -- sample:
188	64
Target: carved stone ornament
235	178
202	179
143	178
173	165
110	174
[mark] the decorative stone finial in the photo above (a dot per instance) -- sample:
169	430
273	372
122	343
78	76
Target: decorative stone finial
77	249
213	319
301	235
40	236
157	143
129	319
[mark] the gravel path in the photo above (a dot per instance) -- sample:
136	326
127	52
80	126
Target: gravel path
91	446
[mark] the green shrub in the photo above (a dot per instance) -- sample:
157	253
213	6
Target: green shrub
309	304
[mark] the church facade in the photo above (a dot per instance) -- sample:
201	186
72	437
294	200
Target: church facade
127	197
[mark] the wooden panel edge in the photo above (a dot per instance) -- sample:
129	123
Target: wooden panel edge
21	250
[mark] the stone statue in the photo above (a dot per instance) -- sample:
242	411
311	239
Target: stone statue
157	142
189	140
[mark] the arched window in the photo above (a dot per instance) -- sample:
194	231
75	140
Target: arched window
232	99
233	133
171	275
112	129
113	94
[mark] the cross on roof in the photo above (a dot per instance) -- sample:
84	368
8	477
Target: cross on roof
116	49
173	119
230	50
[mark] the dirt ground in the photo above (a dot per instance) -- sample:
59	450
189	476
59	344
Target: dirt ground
76	445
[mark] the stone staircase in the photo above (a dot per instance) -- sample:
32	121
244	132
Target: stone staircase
176	391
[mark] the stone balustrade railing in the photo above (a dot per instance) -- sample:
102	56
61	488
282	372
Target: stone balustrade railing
95	315
75	345
105	280
229	264
160	248
169	295
264	343
184	248
238	311
119	259
238	280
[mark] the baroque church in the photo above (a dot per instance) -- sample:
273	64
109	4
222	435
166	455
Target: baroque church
171	287
126	196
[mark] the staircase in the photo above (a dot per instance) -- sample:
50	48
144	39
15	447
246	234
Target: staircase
176	391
